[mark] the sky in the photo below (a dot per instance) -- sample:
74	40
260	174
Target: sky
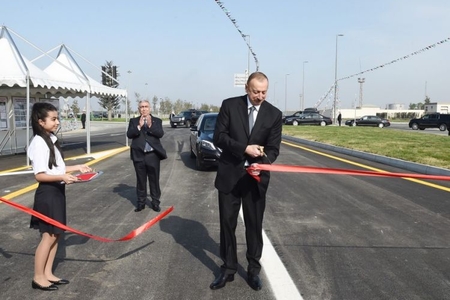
191	50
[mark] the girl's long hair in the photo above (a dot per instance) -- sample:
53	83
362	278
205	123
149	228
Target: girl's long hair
40	112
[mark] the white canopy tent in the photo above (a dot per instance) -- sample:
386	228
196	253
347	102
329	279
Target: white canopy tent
62	78
66	68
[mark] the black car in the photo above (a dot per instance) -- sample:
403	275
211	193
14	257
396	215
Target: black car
309	119
434	120
289	118
201	141
374	121
184	118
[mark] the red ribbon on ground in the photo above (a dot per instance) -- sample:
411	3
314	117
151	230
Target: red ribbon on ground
134	233
254	170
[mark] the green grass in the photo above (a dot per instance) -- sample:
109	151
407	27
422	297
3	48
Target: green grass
428	149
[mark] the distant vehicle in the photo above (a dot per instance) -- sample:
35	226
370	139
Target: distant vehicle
289	118
434	120
201	141
99	114
297	114
309	119
374	121
197	114
184	118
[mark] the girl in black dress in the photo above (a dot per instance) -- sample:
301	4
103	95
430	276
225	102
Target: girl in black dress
50	199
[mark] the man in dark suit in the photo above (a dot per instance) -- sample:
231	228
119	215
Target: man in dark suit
146	153
243	145
83	119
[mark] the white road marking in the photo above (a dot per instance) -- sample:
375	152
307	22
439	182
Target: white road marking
16	173
281	283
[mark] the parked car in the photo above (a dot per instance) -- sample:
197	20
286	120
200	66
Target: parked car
434	120
309	119
184	118
297	114
374	121
289	118
201	142
99	114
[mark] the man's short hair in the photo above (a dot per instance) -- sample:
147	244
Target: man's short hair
258	76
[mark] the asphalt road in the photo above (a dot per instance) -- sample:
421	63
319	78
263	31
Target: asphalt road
336	236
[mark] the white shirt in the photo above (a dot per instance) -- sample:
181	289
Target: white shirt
39	153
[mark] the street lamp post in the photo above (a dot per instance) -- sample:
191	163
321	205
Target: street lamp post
285	93
126	108
302	102
335	79
361	81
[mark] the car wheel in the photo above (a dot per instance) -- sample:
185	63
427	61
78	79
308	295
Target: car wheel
381	125
414	126
323	123
295	123
442	127
188	124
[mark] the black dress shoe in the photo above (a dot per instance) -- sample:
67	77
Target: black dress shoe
254	282
61	281
36	285
221	281
156	207
139	208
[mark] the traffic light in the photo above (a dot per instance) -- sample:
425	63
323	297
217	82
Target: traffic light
103	75
114	72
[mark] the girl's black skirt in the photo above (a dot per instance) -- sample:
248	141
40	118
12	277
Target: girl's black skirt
49	200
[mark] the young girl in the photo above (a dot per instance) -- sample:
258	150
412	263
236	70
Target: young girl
50	199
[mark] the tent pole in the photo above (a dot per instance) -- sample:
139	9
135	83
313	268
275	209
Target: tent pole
27	124
88	123
126	119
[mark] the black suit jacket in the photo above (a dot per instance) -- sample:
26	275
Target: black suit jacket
152	135
232	136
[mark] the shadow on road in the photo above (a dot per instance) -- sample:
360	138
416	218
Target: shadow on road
193	236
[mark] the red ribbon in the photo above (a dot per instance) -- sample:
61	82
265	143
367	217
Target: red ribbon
134	233
254	170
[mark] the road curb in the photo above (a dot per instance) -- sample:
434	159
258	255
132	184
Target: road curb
394	162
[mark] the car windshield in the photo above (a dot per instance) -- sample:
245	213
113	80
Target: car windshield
184	114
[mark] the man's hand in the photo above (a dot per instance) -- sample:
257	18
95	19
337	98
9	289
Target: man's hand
141	122
254	150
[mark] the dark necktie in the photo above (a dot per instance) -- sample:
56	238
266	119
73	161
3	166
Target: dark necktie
145	123
251	119
147	147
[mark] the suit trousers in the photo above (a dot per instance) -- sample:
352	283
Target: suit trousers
148	169
253	206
